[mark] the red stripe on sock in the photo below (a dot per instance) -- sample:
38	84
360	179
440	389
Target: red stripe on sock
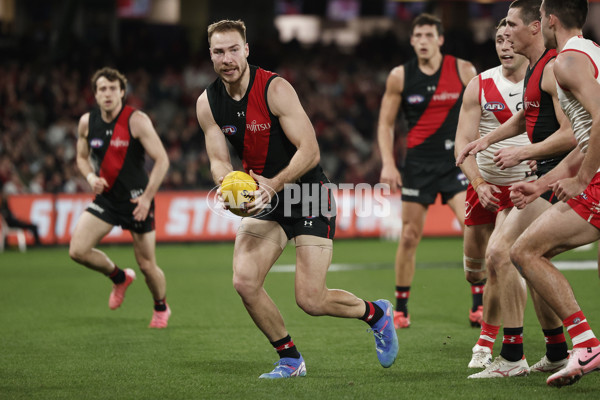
512	339
371	311
402	295
477	289
554	339
114	273
285	346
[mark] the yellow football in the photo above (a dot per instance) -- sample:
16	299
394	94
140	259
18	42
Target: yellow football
236	190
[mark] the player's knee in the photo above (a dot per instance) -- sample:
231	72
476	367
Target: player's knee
518	255
77	254
309	305
475	277
244	286
410	237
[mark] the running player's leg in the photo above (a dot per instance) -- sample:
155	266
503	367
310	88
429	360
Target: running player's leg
313	257
144	246
413	221
258	244
88	232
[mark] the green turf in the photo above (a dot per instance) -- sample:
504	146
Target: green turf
59	340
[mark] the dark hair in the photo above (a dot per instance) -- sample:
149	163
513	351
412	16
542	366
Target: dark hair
501	24
227	25
111	74
571	13
427	19
530	10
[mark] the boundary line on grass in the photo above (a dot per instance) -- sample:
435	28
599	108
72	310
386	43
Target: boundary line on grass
561	265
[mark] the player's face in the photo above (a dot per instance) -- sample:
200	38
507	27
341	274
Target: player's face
109	94
507	56
517	32
426	41
547	32
229	53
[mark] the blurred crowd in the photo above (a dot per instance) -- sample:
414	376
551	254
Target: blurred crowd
40	109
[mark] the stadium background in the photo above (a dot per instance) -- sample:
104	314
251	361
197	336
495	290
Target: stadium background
336	53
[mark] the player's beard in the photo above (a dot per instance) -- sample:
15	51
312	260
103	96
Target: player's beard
242	69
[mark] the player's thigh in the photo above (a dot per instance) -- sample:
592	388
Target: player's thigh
313	257
258	244
88	232
557	230
517	220
144	247
457	204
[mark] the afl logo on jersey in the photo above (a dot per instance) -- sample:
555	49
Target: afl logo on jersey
494	106
415	99
229	130
96	143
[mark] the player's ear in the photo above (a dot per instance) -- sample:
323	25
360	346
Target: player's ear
441	40
247	49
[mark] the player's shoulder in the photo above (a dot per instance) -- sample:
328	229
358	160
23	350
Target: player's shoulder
84	124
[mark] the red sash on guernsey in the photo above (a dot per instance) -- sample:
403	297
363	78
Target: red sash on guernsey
434	116
492	94
117	149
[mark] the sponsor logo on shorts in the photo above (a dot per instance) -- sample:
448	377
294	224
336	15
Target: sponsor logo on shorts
468	210
229	130
96	207
415	99
96	143
410	192
494	106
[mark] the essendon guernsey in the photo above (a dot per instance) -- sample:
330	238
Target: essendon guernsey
431	104
251	128
540	117
118	156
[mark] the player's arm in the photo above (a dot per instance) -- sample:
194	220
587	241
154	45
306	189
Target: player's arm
560	142
216	146
513	127
468	131
523	193
285	104
83	156
390	105
466	71
143	130
586	89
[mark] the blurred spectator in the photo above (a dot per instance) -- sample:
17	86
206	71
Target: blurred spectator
14	222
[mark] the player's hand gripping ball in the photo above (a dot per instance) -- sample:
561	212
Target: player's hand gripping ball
236	190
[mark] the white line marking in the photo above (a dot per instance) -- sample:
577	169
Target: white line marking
561	265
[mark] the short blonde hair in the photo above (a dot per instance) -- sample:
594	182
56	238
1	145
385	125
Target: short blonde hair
227	25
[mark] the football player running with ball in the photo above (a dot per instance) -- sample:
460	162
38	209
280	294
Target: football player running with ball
260	114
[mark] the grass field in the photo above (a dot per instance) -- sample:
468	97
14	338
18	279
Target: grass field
59	340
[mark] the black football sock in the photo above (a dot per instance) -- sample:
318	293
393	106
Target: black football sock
117	276
512	344
373	313
286	348
556	345
402	295
160	305
477	291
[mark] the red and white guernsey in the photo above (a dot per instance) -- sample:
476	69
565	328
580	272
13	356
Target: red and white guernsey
499	99
581	120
